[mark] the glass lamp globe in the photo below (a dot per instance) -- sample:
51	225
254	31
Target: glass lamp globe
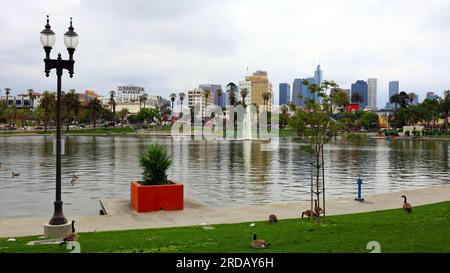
48	37
71	37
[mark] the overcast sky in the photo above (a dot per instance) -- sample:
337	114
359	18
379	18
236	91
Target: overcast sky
172	46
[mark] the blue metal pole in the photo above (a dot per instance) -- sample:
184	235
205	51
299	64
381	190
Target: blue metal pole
359	182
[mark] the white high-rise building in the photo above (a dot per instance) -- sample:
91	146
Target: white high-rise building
372	93
245	85
129	93
197	100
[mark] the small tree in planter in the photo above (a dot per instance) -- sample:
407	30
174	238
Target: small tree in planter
155	163
155	192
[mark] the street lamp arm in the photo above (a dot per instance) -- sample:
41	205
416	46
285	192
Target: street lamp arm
59	64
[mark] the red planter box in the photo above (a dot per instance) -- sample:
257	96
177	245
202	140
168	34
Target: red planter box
157	197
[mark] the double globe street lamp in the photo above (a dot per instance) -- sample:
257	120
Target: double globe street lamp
48	39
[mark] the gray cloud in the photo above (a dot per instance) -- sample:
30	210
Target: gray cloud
173	45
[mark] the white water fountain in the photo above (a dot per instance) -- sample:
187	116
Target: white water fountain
247	128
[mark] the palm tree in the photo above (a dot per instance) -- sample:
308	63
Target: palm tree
7	92
173	97
266	97
232	89
395	99
206	94
95	105
48	103
123	114
72	104
141	100
112	103
30	102
181	95
357	98
445	108
244	94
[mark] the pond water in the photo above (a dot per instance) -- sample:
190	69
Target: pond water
216	173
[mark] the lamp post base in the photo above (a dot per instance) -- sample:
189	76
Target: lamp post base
359	199
57	231
58	216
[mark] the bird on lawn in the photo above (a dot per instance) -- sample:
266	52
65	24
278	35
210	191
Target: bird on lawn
258	244
72	237
14	174
317	210
406	206
309	213
273	219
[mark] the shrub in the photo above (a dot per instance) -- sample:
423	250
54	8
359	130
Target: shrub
354	136
155	162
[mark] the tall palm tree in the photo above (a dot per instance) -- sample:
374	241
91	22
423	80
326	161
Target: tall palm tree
445	108
30	102
48	103
266	97
232	89
206	94
112	103
244	94
357	98
96	106
395	99
173	97
182	96
7	92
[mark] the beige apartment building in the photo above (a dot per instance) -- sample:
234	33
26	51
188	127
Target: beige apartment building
259	85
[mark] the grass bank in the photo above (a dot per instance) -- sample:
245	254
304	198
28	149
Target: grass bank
425	230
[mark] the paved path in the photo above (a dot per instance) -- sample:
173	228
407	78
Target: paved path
121	217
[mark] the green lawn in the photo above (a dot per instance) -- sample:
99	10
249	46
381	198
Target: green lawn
427	229
100	131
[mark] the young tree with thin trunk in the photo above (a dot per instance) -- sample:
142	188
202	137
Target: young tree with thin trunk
315	128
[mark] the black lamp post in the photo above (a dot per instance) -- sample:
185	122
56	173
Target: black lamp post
71	42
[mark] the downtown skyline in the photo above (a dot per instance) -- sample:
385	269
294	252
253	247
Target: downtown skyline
179	51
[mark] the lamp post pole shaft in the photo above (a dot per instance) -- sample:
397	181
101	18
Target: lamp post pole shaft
58	216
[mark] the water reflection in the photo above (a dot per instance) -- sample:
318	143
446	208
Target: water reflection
217	173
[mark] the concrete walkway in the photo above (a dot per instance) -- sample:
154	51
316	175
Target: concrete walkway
121	217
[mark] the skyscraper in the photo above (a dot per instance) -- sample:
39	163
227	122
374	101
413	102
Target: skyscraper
372	93
361	87
318	75
259	85
285	93
394	88
298	88
296	91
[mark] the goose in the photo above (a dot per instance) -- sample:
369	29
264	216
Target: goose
317	210
406	206
273	219
44	164
15	174
309	213
258	244
74	179
72	237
